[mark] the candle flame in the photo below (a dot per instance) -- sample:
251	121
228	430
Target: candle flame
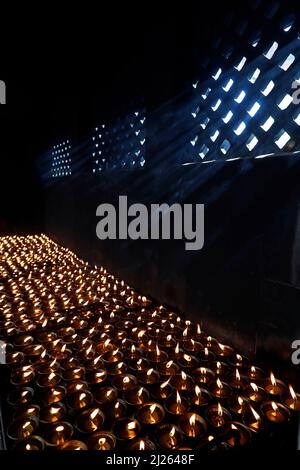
163	385
117	405
292	393
253	369
82	396
198	391
141	333
220	410
237	375
169	364
177	349
219	365
157	350
198	329
203	370
131	425
126	380
241	401
221	346
219	383
255	414
142	445
178	398
254	387
272	378
59	428
94	413
274	406
239	357
152	408
140	392
187	357
183	375
172	432
169	337
206	352
192	420
150	371
133	348
185	332
51	376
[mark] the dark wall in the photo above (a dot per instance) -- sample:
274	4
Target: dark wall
241	284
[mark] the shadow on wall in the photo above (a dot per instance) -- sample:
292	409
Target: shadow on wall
251	214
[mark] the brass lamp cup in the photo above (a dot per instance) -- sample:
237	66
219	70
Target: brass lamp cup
75	373
22	428
58	433
105	395
73	445
126	429
102	440
90	420
136	396
31	443
124	382
139	364
76	386
27	411
79	400
116	410
53	394
192	425
22	375
20	396
52	413
203	375
150	414
169	437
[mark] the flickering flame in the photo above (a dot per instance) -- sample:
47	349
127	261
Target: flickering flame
133	348
150	371
206	352
169	337
126	380
141	333
131	425
203	370
140	392
94	413
117	405
178	398
219	365
172	432
157	350
240	401
152	408
255	414
185	332
51	376
254	387
221	346
177	349
253	370
198	391
239	357
142	445
292	393
106	342
274	406
273	380
169	364
192	420
187	357
115	352
59	428
198	329
109	392
183	375
233	426
219	383
82	396
163	385
237	375
220	410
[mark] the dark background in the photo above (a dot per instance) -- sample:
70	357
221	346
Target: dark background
70	74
